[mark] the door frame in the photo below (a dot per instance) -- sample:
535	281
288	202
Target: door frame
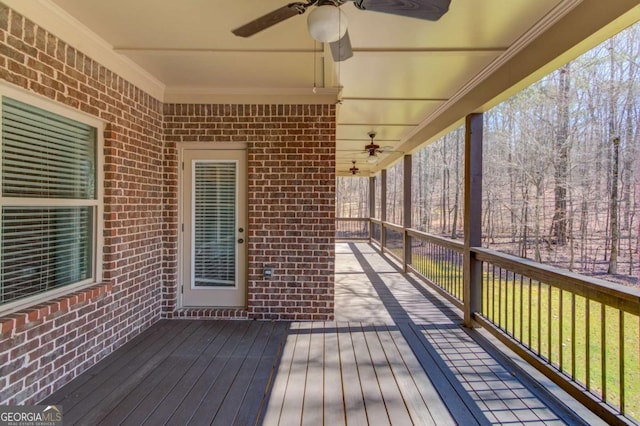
181	147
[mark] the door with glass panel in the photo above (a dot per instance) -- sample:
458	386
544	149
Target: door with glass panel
214	228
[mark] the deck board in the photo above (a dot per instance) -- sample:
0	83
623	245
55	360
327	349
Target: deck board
354	405
394	401
174	397
98	397
234	398
72	392
213	387
291	411
373	399
396	354
313	406
417	409
151	391
257	390
332	376
237	370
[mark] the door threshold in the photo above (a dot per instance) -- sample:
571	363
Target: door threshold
209	313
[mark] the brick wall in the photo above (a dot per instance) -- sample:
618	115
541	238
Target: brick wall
44	347
291	204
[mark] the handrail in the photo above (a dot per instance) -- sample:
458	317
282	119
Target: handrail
602	291
393	227
442	241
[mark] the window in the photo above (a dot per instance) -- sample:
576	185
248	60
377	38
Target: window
50	200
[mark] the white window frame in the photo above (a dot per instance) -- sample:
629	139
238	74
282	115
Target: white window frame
97	203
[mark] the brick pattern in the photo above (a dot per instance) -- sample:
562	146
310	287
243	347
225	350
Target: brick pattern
291	161
53	342
46	346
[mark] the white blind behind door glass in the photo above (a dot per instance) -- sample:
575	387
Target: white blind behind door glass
214	260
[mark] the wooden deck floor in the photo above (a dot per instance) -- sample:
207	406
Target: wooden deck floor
395	355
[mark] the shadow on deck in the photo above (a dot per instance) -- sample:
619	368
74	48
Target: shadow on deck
396	354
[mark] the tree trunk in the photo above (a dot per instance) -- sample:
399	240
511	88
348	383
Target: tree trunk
456	198
613	257
561	160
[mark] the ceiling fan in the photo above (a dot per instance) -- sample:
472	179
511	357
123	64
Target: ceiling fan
374	149
328	24
354	169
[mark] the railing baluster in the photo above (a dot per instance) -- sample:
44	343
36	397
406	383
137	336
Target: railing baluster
493	291
549	324
573	336
513	303
587	346
500	308
529	313
560	334
539	318
621	360
521	335
603	351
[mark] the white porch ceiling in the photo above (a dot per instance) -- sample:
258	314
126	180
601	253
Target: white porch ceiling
408	79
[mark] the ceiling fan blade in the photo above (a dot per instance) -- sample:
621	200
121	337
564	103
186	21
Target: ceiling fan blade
431	10
270	19
341	49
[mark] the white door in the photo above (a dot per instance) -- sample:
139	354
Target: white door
214	228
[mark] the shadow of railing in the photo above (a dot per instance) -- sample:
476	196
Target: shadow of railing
462	406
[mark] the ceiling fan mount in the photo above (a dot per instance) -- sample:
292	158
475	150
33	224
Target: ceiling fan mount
322	20
353	170
372	148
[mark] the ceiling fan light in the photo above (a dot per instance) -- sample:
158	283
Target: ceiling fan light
372	159
327	23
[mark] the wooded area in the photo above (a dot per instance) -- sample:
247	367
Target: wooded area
561	169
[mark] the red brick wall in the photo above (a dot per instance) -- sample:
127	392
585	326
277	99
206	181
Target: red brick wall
291	160
44	347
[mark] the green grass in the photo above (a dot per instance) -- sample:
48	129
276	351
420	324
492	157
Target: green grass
448	275
579	337
565	329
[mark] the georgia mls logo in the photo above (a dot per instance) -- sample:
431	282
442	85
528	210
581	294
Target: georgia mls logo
34	415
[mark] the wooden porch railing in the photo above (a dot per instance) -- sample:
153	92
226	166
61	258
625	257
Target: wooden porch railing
582	332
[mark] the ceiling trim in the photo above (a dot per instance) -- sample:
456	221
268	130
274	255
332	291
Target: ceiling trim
379	124
367	139
431	51
55	20
208	95
396	99
178	50
389	50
